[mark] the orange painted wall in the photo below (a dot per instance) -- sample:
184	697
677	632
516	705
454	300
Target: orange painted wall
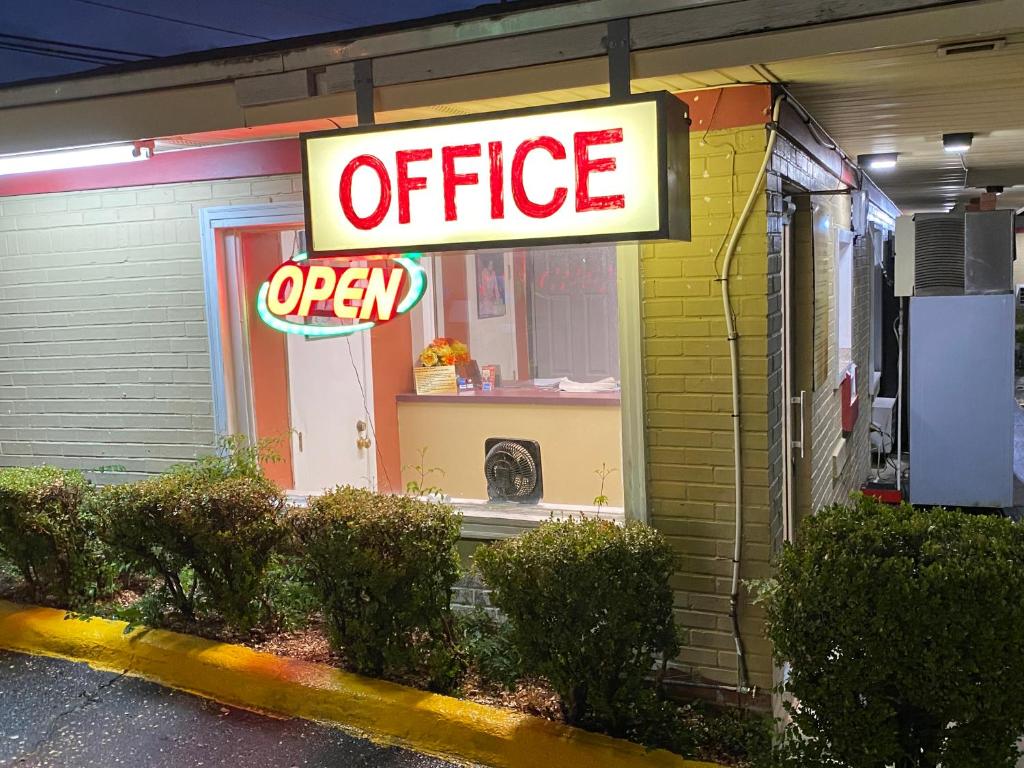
391	355
456	296
723	108
268	349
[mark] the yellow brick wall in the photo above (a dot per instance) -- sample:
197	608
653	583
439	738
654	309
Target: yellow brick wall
687	387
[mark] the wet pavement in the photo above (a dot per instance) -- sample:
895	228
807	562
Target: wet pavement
59	714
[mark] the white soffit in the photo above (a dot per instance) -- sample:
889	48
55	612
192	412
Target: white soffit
903	99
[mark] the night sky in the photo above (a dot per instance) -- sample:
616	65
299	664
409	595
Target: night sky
123	25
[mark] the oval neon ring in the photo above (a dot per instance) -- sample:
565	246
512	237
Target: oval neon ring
416	278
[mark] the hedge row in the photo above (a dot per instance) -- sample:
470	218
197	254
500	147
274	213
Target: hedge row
588	602
902	629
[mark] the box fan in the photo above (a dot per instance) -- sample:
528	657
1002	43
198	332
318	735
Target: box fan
513	470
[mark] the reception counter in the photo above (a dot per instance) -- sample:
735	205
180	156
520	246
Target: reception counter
578	432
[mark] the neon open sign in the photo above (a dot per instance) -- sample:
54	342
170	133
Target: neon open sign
322	299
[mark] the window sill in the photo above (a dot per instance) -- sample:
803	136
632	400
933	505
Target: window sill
844	366
488	521
517	396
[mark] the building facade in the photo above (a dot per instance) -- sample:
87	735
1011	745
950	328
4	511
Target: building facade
122	340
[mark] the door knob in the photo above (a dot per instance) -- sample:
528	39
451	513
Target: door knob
362	439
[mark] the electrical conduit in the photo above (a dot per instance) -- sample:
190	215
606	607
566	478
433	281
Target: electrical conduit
734	357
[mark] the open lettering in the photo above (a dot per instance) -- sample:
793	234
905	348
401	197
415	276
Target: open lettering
356	293
562	176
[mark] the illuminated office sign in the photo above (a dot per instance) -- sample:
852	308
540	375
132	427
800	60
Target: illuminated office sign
322	299
594	171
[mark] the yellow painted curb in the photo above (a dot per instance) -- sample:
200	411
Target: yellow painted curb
232	674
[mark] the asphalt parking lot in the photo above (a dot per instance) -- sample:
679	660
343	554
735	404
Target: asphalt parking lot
59	714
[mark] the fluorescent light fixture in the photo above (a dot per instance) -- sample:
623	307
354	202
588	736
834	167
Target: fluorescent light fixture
60	159
878	162
957	142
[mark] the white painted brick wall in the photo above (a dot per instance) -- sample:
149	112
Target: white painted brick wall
104	356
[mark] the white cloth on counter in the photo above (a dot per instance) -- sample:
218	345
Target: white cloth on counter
604	385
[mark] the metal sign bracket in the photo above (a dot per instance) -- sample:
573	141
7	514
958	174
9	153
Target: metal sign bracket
364	91
618	45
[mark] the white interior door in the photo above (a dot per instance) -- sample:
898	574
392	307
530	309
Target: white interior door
330	419
329	390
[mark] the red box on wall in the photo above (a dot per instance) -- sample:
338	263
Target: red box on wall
849	403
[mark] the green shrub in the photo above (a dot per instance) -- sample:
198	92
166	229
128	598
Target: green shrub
590	607
383	567
904	630
289	598
721	735
730	735
49	535
487	647
210	526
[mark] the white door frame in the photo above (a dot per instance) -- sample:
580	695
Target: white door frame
212	221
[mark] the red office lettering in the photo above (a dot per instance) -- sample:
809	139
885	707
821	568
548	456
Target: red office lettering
345	191
453	179
585	165
497	180
405	182
523	202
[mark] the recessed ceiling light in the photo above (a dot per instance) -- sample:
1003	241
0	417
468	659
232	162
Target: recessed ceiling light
957	142
879	161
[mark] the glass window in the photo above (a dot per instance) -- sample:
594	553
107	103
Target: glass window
528	420
541	329
536	314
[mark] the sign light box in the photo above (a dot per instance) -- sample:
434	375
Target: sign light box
588	172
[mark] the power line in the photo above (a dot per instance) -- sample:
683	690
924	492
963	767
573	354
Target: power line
53	54
346	20
169	18
77	47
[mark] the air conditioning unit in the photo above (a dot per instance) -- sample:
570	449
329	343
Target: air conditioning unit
955	254
512	469
961	349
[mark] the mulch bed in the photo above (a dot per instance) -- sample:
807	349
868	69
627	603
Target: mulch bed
310	644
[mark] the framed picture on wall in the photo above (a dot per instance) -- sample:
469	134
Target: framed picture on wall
490	285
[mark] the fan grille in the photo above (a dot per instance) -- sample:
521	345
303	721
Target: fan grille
939	255
510	470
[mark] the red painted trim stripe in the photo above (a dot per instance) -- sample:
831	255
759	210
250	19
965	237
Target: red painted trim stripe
723	108
230	161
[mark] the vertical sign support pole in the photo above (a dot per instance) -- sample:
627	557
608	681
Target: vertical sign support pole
364	91
617	43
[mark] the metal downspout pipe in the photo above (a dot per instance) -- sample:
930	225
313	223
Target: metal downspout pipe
734	356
